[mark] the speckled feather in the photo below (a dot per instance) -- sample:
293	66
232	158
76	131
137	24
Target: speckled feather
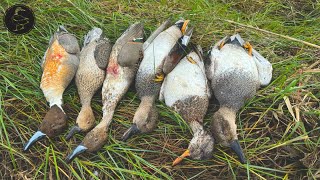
94	57
89	77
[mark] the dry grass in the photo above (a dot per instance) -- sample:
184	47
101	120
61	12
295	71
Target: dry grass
279	128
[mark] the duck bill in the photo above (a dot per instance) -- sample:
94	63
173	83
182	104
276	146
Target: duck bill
180	158
76	152
36	137
74	130
130	132
235	146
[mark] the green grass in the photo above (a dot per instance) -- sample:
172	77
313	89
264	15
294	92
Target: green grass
280	137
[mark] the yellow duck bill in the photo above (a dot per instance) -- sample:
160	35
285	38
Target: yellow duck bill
235	146
74	130
36	137
130	132
76	152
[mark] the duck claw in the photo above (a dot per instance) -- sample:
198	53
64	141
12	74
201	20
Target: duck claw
190	59
221	44
159	77
249	47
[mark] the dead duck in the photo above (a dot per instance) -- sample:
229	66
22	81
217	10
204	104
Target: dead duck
94	58
155	64
59	66
186	91
236	71
122	67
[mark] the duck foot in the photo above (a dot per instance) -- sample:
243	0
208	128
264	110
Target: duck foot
159	77
248	46
221	44
191	60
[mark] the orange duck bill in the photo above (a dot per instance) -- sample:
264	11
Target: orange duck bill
180	158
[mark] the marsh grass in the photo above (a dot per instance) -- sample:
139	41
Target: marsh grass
278	128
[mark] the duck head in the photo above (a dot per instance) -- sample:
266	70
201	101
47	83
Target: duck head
144	120
200	146
52	125
224	130
92	142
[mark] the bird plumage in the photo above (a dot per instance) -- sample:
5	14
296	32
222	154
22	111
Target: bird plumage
115	85
186	90
90	75
156	49
59	66
235	75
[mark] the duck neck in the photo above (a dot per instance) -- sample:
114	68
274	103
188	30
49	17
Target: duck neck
56	101
147	101
108	112
228	113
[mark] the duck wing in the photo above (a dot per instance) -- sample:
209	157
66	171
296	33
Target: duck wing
155	33
102	53
131	49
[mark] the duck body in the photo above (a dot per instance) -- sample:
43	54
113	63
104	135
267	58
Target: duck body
121	69
90	75
235	76
156	49
59	65
185	89
233	67
153	60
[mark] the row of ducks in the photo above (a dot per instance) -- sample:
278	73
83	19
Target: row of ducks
233	72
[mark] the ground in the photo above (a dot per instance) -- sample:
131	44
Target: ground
278	129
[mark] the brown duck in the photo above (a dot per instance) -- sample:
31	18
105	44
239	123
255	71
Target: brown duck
59	66
94	58
121	70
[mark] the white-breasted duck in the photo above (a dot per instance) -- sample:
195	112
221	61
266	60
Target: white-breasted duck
124	58
155	65
186	90
59	66
236	71
94	57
